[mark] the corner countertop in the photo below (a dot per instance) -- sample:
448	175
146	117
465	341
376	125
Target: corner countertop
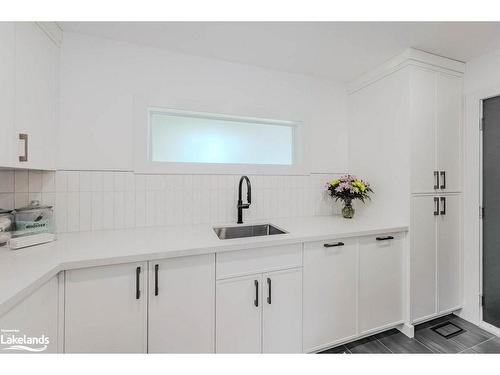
24	270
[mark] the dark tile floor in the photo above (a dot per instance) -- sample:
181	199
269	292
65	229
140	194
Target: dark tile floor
472	340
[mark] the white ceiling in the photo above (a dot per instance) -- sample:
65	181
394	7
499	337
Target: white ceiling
337	50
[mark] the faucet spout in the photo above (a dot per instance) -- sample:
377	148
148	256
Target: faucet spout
241	206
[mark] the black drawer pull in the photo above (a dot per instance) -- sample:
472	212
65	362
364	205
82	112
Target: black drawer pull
384	238
443	179
157	266
436	180
443	205
333	244
269	290
436	206
137	281
256	301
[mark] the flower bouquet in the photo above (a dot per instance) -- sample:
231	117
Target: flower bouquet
347	188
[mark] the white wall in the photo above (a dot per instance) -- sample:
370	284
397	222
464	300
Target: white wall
482	80
100	79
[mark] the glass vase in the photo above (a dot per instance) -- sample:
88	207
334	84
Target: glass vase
348	210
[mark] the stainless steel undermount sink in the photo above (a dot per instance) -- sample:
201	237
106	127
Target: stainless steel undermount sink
241	231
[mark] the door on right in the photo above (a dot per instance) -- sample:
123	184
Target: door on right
491	205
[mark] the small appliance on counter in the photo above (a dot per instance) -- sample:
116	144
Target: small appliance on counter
6	226
33	225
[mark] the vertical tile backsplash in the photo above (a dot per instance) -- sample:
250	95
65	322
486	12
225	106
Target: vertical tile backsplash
88	200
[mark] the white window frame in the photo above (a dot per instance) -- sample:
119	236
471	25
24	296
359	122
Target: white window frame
145	164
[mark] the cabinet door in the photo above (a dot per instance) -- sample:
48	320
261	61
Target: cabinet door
35	316
449	253
282	311
182	305
423	257
330	292
7	89
36	95
105	309
423	130
449	130
239	315
380	282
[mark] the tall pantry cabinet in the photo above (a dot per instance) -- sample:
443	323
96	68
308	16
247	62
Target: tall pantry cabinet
406	139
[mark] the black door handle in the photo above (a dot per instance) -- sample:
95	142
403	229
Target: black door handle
384	238
256	301
436	206
443	179
157	267
333	244
137	281
443	210
436	180
269	290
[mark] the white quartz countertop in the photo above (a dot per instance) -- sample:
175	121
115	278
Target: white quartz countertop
24	270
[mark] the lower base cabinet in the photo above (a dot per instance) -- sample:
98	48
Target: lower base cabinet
182	305
260	313
352	287
381	282
330	292
105	309
36	317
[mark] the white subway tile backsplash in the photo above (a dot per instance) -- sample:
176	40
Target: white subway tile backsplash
6	181
85	181
108	212
85	211
7	201
21	182
73	181
48	182
108	181
88	200
35	181
73	206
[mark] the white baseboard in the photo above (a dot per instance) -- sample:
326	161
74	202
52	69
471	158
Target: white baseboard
407	330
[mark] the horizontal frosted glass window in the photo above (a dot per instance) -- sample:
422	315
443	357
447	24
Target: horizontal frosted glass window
200	138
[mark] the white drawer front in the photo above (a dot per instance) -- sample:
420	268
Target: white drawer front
244	262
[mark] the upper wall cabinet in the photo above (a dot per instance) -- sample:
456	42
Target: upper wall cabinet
435	113
29	71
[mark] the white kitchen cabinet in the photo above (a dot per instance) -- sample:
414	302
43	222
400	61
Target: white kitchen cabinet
29	84
239	315
36	96
436	274
435	117
380	282
182	305
423	257
449	254
7	88
282	311
36	315
260	313
105	309
330	292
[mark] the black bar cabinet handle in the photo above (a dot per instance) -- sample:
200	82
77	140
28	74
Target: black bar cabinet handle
157	267
256	301
436	206
443	203
384	238
436	180
137	281
333	244
443	179
269	290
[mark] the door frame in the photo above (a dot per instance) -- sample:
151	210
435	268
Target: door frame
472	201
